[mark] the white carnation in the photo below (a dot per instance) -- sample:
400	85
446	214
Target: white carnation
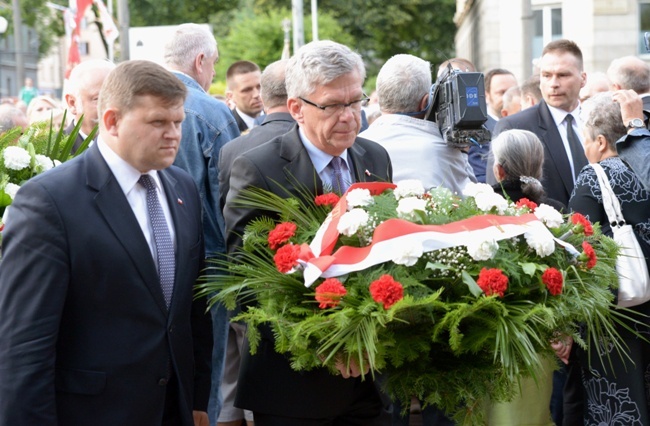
485	201
43	163
547	214
16	158
409	188
359	197
11	189
406	207
483	250
472	189
408	255
351	221
541	242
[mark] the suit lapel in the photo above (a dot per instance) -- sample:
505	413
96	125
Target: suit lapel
299	170
119	217
551	136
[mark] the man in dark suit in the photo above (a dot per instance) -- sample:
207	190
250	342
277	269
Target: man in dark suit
324	87
243	81
561	78
82	94
97	319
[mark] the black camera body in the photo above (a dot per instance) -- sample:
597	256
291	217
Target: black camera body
458	107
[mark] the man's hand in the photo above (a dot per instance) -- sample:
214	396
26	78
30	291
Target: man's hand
200	418
353	371
562	347
631	105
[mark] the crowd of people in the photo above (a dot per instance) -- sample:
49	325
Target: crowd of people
98	323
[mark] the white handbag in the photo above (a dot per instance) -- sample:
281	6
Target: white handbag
633	279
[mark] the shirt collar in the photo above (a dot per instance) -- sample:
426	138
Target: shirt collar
319	159
559	115
126	175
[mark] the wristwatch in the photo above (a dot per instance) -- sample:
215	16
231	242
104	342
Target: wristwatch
635	123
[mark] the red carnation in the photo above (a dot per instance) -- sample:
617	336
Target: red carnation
590	254
553	280
387	291
582	224
329	199
281	234
329	293
525	202
492	281
287	257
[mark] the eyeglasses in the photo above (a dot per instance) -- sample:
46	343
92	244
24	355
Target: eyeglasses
332	109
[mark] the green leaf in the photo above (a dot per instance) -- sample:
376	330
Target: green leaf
471	284
529	268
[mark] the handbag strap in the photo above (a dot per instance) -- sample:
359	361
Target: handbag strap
610	201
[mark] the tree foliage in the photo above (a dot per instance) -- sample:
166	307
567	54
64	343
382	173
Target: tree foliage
260	38
381	28
47	22
173	12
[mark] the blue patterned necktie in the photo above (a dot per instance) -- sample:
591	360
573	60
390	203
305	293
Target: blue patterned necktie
339	183
162	239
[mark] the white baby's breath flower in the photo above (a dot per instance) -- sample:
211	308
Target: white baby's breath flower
541	242
408	188
16	158
11	189
473	188
547	214
56	163
359	197
482	250
406	207
43	163
351	221
408	255
486	201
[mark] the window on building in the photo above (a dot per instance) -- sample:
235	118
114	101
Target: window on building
644	25
84	48
547	21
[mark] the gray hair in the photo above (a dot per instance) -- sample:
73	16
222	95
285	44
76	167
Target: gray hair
189	41
319	63
521	154
602	116
402	82
10	117
631	73
79	74
274	88
510	95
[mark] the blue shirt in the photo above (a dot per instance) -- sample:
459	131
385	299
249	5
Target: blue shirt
207	127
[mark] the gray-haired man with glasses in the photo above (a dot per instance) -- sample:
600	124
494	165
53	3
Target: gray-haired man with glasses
321	153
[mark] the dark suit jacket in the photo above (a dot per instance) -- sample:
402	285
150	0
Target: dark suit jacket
267	383
85	334
274	124
557	179
240	121
78	140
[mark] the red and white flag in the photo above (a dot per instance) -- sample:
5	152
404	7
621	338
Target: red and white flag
109	29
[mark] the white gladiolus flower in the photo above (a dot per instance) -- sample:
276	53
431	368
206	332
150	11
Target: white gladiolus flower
409	188
541	242
11	189
472	189
408	255
547	214
43	163
486	201
351	221
16	158
359	197
407	206
483	250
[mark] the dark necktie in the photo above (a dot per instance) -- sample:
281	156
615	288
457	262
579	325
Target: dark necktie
339	183
162	239
577	151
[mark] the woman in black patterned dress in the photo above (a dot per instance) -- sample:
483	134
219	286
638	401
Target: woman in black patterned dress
618	397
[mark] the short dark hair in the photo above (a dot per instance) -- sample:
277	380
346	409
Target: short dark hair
133	79
564	46
491	73
240	67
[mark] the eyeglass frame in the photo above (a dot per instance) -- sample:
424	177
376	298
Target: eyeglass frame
323	108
